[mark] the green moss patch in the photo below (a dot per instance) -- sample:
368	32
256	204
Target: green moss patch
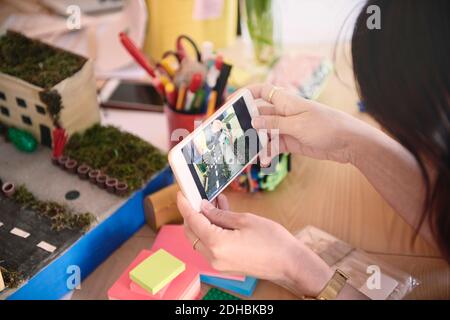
60	215
36	62
119	154
11	278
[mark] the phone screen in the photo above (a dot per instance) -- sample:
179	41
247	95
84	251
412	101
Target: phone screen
132	94
217	154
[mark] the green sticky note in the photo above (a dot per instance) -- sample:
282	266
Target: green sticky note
158	270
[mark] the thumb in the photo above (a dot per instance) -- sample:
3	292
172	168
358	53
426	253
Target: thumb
222	218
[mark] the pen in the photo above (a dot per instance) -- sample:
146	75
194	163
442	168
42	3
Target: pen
195	84
181	95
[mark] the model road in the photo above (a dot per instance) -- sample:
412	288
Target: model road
22	253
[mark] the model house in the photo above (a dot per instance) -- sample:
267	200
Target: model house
48	69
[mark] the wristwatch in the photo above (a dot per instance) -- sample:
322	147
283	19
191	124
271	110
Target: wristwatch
334	286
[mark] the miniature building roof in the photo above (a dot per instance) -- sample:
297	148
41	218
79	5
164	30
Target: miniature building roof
36	62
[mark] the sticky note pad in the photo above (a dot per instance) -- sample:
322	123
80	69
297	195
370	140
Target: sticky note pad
158	270
138	289
172	239
185	286
245	288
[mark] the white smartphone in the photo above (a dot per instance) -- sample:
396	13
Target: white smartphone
208	159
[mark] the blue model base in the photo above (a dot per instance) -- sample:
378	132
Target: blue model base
92	248
244	288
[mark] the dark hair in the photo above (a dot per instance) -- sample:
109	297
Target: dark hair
402	72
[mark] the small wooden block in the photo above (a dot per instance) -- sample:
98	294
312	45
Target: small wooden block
161	208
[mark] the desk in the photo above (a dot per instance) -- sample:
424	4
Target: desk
331	196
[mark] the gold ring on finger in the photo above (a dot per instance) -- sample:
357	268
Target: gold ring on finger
194	244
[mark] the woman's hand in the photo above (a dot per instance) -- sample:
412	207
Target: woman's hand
305	127
243	243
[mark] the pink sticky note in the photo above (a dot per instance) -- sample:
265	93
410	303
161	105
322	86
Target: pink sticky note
172	239
185	286
138	289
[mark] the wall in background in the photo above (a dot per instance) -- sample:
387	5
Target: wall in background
317	21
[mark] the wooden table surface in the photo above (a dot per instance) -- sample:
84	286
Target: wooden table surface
334	197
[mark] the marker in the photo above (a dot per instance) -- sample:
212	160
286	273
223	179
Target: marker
195	84
181	95
198	100
207	51
171	94
211	103
214	72
164	79
222	82
168	66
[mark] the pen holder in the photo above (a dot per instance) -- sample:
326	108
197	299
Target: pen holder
179	124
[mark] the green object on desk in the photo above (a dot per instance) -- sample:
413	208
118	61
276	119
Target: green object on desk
22	140
198	101
271	181
216	294
157	271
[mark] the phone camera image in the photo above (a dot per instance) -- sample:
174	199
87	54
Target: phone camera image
222	149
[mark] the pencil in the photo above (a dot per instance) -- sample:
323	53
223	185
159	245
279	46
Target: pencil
180	101
211	103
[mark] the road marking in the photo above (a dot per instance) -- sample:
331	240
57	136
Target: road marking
20	233
46	246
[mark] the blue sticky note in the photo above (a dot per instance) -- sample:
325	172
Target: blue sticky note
244	288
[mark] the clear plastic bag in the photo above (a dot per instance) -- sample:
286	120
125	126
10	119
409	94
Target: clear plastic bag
372	276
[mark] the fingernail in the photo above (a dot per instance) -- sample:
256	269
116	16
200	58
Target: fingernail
265	163
258	122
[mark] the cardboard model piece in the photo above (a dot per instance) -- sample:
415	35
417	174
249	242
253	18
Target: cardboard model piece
21	105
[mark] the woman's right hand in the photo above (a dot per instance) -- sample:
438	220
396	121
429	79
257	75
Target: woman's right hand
304	126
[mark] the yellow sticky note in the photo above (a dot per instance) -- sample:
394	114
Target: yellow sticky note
158	270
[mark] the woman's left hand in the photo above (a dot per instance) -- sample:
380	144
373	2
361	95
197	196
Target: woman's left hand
243	243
